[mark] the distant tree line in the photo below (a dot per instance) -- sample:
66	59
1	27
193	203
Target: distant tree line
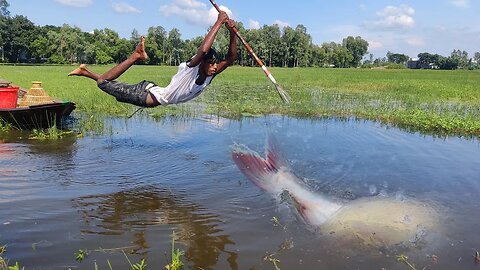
458	59
21	41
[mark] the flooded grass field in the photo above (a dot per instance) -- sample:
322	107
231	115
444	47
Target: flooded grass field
429	101
132	188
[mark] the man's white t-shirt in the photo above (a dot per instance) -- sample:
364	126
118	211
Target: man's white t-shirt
182	87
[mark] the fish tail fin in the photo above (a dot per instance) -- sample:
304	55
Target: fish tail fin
273	154
255	167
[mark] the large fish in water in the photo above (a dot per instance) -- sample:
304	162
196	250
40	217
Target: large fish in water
377	221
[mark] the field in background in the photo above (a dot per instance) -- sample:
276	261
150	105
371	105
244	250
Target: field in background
430	101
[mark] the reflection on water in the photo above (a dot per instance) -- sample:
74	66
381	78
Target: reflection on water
141	208
7	152
133	187
25	163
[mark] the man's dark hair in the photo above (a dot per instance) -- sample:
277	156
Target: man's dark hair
211	55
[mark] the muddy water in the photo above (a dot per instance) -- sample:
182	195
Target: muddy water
130	190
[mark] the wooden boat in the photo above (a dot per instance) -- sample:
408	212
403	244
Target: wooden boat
37	116
35	109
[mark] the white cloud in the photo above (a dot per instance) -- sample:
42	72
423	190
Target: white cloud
213	14
460	3
415	41
253	24
281	24
392	17
194	12
75	3
124	8
373	45
189	3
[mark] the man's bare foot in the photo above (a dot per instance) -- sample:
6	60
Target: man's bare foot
140	49
80	71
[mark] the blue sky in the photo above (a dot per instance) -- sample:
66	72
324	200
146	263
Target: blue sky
409	27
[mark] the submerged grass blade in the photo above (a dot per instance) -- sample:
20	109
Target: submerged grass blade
403	258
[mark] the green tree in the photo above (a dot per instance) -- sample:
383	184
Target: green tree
65	44
460	57
397	58
427	59
288	47
103	57
357	47
72	43
191	46
39	48
156	44
4	8
273	41
109	48
476	60
89	54
242	54
3	32
122	50
336	55
134	38
254	39
55	52
476	56
175	47
448	63
303	43
342	57
319	56
19	34
4	15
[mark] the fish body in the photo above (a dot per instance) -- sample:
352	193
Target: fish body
375	221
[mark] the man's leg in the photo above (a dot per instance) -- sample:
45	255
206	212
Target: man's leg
115	72
136	94
83	71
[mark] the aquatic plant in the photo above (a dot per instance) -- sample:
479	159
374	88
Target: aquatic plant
80	255
16	266
92	124
403	258
4	263
51	133
136	266
4	126
275	262
176	263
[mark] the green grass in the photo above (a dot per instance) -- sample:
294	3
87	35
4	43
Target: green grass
429	101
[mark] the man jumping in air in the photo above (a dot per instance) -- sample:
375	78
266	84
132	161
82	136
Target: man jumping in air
191	79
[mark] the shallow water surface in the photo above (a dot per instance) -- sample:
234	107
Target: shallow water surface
131	190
